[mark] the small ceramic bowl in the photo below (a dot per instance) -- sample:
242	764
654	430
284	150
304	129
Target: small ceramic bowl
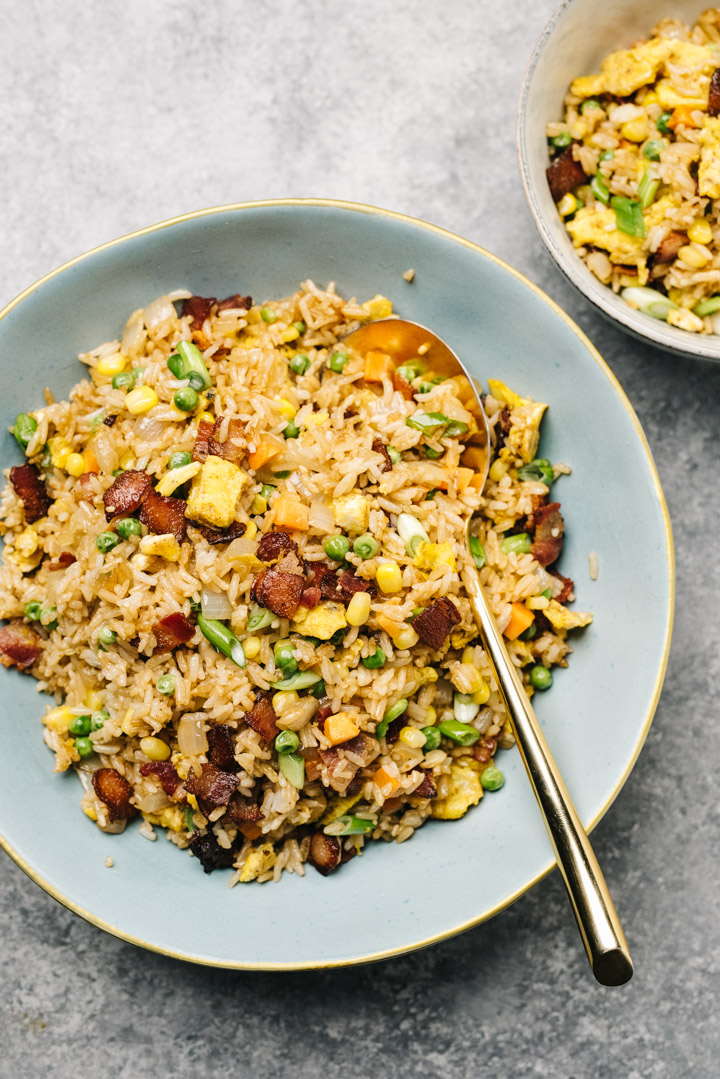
575	41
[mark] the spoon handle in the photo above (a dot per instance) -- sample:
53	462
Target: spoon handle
592	905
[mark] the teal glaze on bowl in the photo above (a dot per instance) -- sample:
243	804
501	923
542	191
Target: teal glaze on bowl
597	714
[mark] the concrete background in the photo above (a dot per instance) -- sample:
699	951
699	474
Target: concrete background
114	116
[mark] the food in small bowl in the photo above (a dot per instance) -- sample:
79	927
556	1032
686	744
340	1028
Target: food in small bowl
635	172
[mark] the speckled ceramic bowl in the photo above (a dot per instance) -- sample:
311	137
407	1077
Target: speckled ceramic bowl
450	875
575	41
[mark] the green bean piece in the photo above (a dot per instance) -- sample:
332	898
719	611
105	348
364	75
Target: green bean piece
186	399
376	660
707	307
23	429
519	544
347	824
541	677
129	526
84	747
433	738
477	551
80	726
166	685
292	767
462	733
222	638
365	546
287	742
336	547
259	618
268	315
106	541
301	680
492	778
176	364
338	360
299	363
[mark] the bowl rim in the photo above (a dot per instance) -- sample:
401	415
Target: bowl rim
363	208
643	327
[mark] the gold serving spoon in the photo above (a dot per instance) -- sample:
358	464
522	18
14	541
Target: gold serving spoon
592	905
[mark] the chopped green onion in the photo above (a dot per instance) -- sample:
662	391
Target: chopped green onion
477	551
349	825
647	189
518	544
394	455
377	659
318	690
628	215
652	149
301	680
607	155
394	712
166	685
429	497
283	475
707	307
411	532
33	610
538	469
180	459
222	638
287	742
266	491
428	422
292	767
529	633
365	546
464	707
176	365
431	453
189	822
455	428
600	189
192	361
415	612
23	429
461	733
649	301
106	637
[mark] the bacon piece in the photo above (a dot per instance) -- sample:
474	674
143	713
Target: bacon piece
714	95
434	623
243	303
164	515
227	450
198	308
221	535
549	534
310	597
212	786
568	587
393	732
669	247
502	428
256	586
427	788
483	750
272	544
209	853
362	745
380	447
66	559
109	421
401	385
564	174
172	631
221	750
20	645
349	584
202	440
312	764
325	853
262	717
279	591
126	494
243	810
30	489
164	771
115	791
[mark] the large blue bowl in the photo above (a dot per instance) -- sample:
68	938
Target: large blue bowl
598	712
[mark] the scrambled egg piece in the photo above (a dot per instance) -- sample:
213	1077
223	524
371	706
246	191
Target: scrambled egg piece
215	492
596	227
164	546
338	808
351	513
525	417
459	790
258	861
378	307
709	172
561	618
625	71
671	98
432	555
322	621
171	817
504	394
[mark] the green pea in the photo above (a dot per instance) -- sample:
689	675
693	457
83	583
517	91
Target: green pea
539	469
394	455
106	541
287	742
423	387
366	546
33	610
318	690
519	544
653	148
338	360
562	140
529	633
166	685
97	719
129	526
477	551
179	459
291	430
285	658
268	315
186	399
433	738
299	363
462	733
80	726
607	155
106	637
492	778
336	547
300	326
374	661
266	491
84	747
23	429
662	122
541	677
591	103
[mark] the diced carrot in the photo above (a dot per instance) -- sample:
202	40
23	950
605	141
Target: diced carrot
340	728
91	461
463	478
250	830
683	114
377	366
265	451
477	481
291	514
386	783
520	619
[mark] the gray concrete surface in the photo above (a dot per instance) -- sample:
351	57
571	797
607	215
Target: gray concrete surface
118	115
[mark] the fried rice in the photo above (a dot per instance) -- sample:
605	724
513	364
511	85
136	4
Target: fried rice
234	558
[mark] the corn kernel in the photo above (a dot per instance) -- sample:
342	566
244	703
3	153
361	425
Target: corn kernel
127	461
650	98
287	410
389	577
497	470
430	717
89	810
317	419
283	700
568	205
162	546
700	231
481	695
74	464
207	417
111	365
406	638
141	399
289	335
259	505
251	647
694	255
412	737
58	719
93	700
155	748
537	603
358	610
378	307
636	130
251	530
468	655
467	679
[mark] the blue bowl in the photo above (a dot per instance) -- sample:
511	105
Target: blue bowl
597	715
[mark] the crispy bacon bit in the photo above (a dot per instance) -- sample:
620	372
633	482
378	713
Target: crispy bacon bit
434	623
669	247
325	853
66	559
164	515
549	534
502	428
20	645
364	746
126	494
310	597
115	791
227	450
242	303
325	710
172	631
262	717
568	587
221	750
349	584
273	543
109	421
279	591
714	96
483	750
243	810
209	853
564	174
393	732
30	489
198	308
221	535
202	440
427	788
212	786
401	385
312	764
164	771
380	447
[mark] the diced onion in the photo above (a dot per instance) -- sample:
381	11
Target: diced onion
191	736
150	803
321	517
133	338
105	451
150	429
240	548
411	531
623	113
158	312
215	604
